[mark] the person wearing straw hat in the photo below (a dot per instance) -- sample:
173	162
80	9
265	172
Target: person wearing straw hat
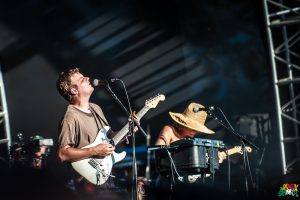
186	124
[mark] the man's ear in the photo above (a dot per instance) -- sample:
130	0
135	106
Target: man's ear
74	91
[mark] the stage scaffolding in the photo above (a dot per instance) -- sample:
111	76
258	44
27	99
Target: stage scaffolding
282	19
5	137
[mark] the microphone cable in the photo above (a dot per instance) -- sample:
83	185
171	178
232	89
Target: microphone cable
131	131
225	118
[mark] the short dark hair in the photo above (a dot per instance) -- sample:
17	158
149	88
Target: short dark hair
64	85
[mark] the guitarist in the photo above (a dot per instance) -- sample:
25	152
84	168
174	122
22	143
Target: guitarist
79	127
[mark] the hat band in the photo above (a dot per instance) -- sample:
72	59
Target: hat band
180	120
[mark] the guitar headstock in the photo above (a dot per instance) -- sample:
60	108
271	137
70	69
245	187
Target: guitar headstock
238	149
152	102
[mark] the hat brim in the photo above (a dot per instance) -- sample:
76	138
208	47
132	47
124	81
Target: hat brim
190	123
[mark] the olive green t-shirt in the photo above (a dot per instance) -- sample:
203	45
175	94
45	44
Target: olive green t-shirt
78	128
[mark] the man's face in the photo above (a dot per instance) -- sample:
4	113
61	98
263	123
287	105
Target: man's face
83	85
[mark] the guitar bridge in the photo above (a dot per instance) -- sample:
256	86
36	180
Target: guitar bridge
96	165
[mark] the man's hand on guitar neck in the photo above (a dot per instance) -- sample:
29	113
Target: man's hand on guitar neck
135	129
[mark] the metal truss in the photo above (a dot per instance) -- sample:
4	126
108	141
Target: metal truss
5	137
283	29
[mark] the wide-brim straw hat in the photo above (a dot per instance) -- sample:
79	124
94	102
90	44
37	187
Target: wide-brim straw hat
193	117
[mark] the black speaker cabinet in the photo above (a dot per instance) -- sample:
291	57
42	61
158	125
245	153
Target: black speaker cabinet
193	158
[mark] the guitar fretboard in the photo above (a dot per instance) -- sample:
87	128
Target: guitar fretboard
123	132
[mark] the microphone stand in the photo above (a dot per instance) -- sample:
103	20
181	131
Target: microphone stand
135	122
125	110
243	140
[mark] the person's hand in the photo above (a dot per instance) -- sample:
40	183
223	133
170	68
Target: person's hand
222	156
103	149
137	119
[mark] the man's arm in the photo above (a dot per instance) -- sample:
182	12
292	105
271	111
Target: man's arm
68	153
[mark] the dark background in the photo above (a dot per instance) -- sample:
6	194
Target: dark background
209	52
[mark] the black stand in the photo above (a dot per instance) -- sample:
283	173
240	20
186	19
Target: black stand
131	127
243	140
135	122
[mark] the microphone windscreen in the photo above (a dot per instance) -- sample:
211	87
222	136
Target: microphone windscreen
95	82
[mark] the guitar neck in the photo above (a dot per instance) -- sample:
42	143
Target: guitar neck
232	151
123	132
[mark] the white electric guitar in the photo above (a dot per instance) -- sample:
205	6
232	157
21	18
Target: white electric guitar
97	170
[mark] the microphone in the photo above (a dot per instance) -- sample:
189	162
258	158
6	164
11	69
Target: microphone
208	109
98	82
114	79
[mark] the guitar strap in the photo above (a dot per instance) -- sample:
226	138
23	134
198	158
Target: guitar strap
100	119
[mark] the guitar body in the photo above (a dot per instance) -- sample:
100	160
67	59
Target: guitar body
97	170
